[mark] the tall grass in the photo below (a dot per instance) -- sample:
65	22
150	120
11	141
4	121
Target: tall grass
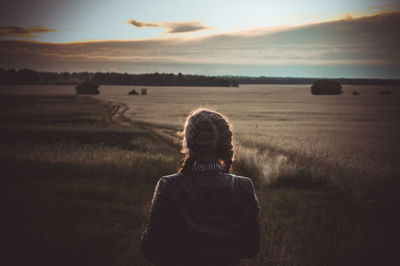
78	189
318	213
77	193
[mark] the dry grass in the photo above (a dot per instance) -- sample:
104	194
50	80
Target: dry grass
325	170
77	193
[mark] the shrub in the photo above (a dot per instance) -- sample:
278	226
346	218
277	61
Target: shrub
326	87
87	87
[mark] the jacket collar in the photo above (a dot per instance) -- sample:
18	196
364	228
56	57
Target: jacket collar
211	166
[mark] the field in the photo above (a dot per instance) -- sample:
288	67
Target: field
79	179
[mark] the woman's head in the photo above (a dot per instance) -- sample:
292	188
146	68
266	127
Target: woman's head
207	137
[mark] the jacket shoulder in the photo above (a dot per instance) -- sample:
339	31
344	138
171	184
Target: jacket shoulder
169	179
171	176
243	179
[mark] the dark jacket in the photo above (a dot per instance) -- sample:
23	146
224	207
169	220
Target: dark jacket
209	218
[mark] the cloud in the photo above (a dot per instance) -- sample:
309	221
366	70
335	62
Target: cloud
385	7
358	47
24	32
175	27
171	27
140	24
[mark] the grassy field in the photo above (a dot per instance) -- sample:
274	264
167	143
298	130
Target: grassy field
78	184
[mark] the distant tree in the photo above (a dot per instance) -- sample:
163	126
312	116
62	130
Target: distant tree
234	83
170	79
180	77
27	76
66	76
326	87
87	87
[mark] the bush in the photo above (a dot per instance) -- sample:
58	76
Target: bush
87	87
326	87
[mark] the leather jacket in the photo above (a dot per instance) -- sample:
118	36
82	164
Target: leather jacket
208	218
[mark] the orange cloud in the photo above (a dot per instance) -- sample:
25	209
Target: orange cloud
171	27
24	32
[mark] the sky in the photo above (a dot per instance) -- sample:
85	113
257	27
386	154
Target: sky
353	38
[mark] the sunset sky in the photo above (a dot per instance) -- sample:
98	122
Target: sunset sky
353	38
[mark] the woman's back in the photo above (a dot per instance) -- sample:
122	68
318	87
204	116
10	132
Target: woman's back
206	218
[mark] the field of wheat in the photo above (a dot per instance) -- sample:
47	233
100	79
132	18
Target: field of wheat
325	167
283	128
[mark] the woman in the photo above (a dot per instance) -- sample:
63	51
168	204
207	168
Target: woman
203	215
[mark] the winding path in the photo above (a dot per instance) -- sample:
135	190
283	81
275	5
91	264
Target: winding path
118	116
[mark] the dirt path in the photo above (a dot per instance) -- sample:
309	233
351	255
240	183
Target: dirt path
118	117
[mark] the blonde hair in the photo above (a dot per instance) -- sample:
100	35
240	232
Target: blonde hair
207	134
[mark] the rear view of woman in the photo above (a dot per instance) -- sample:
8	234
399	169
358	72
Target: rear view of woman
203	215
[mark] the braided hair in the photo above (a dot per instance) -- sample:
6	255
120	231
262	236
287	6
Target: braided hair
207	136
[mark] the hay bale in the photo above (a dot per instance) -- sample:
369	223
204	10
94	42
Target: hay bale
133	92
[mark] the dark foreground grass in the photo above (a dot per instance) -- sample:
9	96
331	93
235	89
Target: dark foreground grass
77	186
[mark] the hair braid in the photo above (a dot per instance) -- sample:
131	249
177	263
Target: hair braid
225	147
187	166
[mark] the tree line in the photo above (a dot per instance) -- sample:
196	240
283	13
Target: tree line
288	80
29	76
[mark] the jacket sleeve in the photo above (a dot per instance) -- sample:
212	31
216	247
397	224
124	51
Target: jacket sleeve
250	240
155	236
